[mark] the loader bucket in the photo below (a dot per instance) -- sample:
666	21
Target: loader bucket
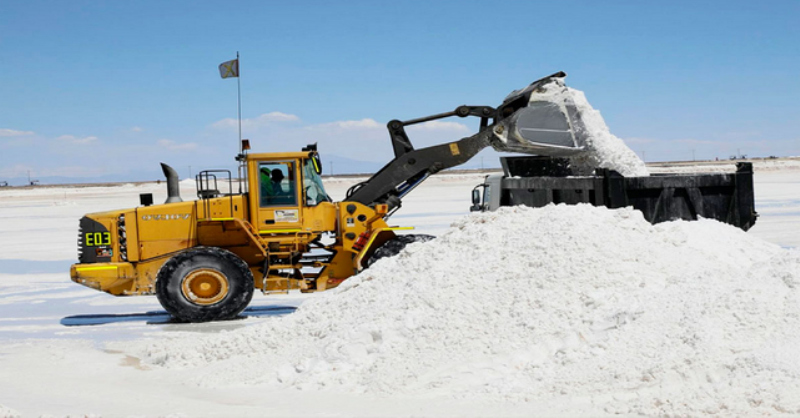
541	119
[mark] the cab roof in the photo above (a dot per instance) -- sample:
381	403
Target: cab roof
265	156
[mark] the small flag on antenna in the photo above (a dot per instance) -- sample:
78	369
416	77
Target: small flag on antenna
229	68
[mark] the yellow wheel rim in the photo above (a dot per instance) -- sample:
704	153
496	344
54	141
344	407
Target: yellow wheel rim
205	286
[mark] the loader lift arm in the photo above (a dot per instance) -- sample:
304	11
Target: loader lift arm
412	166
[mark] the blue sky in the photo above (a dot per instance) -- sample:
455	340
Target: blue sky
108	89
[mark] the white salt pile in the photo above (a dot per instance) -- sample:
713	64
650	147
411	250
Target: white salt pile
572	309
8	412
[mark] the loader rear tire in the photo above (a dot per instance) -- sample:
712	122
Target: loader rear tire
204	284
393	247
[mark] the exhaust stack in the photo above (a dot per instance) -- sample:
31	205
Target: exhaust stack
173	190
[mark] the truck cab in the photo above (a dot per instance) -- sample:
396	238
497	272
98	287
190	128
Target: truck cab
486	196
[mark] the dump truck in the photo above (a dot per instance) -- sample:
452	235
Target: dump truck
273	227
537	181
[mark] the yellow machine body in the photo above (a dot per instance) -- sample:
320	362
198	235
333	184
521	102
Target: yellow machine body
122	251
283	231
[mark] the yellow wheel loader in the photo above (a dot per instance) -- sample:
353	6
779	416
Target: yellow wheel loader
281	230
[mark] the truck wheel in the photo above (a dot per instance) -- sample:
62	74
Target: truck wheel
393	247
204	284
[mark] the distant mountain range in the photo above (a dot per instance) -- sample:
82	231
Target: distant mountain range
343	165
331	165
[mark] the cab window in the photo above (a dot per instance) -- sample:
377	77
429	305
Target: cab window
277	184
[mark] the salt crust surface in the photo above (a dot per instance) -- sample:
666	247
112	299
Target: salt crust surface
580	308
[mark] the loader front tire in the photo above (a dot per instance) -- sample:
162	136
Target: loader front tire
393	247
204	284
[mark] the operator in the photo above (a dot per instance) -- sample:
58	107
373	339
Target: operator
267	190
277	178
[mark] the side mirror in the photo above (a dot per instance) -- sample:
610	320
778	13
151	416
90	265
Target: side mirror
477	205
317	164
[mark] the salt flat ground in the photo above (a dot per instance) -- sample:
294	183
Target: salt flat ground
57	338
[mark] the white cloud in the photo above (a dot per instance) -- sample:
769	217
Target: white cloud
71	171
367	123
136	129
364	139
278	117
12	132
18	170
174	146
77	141
437	125
257	122
349	124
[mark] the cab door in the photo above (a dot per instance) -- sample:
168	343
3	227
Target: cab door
278	197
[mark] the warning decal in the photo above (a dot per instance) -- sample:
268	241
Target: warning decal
287	215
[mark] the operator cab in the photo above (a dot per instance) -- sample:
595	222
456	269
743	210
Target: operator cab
278	183
283	187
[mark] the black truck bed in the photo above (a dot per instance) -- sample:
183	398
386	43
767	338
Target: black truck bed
727	197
